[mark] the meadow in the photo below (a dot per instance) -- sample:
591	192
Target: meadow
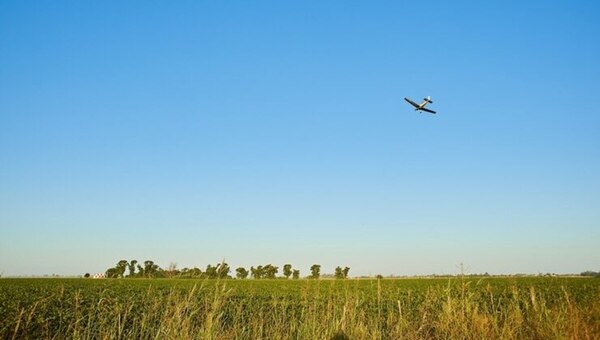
440	308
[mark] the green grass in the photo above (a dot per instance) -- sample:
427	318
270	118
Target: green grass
538	308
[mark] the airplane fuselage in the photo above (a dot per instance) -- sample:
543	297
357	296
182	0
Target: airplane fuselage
421	107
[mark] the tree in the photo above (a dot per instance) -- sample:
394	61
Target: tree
270	271
241	273
190	273
86	275
120	267
287	270
257	273
315	271
590	273
172	270
345	271
112	273
223	270
148	268
140	271
296	274
184	272
339	274
132	265
220	271
210	272
151	269
195	272
118	270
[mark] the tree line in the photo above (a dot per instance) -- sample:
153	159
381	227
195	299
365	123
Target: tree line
149	269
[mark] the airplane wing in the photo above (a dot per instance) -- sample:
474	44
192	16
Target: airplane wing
427	110
411	102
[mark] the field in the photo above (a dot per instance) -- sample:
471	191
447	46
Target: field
478	308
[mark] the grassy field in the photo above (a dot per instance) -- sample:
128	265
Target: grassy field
511	308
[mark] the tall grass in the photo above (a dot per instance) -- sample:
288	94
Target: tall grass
349	309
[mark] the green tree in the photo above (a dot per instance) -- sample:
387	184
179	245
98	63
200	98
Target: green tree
270	271
87	275
195	272
315	271
184	272
117	271
172	270
132	265
339	274
120	267
112	273
257	273
295	274
590	273
140	272
287	270
210	272
223	270
151	269
345	272
241	273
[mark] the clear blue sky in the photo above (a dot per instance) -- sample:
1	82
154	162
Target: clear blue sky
270	132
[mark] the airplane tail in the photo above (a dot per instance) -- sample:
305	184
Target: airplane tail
428	99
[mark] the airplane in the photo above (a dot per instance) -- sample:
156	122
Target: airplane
421	107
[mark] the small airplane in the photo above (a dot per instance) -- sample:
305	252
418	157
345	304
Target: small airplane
421	107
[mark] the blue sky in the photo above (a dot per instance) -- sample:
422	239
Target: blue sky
272	132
